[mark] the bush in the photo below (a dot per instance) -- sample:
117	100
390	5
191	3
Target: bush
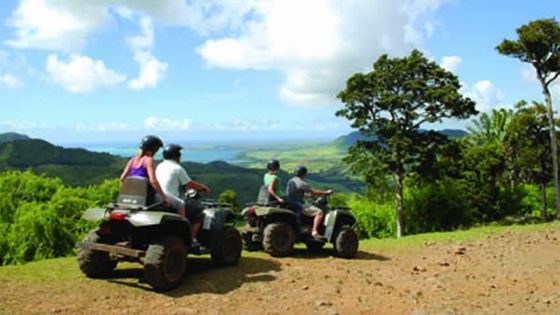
440	206
18	187
40	218
38	232
374	220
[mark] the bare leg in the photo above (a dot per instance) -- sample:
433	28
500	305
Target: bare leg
181	212
316	223
195	227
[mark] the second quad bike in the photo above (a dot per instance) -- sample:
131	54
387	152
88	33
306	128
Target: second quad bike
276	229
137	229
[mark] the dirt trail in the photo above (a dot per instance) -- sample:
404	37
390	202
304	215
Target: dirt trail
511	273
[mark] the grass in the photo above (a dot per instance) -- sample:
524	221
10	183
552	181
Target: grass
67	268
316	156
476	233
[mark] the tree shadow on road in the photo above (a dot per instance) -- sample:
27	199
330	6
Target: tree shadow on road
203	277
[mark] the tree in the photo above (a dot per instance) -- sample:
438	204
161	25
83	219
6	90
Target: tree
229	196
538	43
392	102
528	136
491	129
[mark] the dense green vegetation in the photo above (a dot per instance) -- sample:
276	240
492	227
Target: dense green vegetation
40	217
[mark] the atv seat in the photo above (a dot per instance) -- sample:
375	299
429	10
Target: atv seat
135	192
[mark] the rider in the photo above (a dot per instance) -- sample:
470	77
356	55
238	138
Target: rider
272	182
142	164
295	192
173	177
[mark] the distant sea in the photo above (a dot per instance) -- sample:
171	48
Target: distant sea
202	154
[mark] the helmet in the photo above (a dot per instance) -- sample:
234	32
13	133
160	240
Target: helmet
300	171
151	143
172	151
273	165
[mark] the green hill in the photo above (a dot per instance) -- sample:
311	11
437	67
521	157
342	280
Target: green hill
79	167
355	136
74	166
12	136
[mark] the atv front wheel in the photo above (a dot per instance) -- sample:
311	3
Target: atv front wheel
346	243
228	249
165	263
94	264
278	239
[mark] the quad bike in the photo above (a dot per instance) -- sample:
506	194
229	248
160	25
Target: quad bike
276	229
135	229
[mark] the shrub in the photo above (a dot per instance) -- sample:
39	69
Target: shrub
374	220
440	206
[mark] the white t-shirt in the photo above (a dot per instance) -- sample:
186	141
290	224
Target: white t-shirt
171	175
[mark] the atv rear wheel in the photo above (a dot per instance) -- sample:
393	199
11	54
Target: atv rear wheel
94	264
165	263
278	239
346	243
228	249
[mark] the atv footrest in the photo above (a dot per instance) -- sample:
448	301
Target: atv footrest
120	250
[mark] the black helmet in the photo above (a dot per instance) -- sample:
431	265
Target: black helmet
151	143
300	171
273	165
172	151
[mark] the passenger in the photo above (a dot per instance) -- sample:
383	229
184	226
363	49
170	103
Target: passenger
142	164
295	194
173	177
272	182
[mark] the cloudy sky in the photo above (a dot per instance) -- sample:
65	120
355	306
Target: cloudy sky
236	70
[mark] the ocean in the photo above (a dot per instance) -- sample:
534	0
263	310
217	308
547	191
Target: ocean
202	154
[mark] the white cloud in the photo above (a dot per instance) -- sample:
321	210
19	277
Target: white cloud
102	127
81	74
9	81
57	25
323	43
24	126
315	44
264	124
450	63
166	124
151	70
486	96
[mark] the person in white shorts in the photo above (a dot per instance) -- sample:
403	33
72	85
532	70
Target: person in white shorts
172	176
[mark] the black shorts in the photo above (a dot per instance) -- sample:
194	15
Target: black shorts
193	209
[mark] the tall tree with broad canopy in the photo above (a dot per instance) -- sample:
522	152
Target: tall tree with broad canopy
538	43
391	103
528	136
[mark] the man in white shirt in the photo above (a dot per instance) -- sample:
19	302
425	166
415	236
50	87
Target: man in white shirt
172	176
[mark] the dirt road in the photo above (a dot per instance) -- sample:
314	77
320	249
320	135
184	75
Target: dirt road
516	272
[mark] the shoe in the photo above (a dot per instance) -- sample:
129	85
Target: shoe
319	237
195	243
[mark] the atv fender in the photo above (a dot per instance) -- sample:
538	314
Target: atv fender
214	219
335	219
146	218
94	214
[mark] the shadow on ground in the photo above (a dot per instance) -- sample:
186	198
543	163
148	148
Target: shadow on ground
203	277
328	252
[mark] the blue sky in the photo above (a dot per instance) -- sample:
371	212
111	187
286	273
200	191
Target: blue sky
236	70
